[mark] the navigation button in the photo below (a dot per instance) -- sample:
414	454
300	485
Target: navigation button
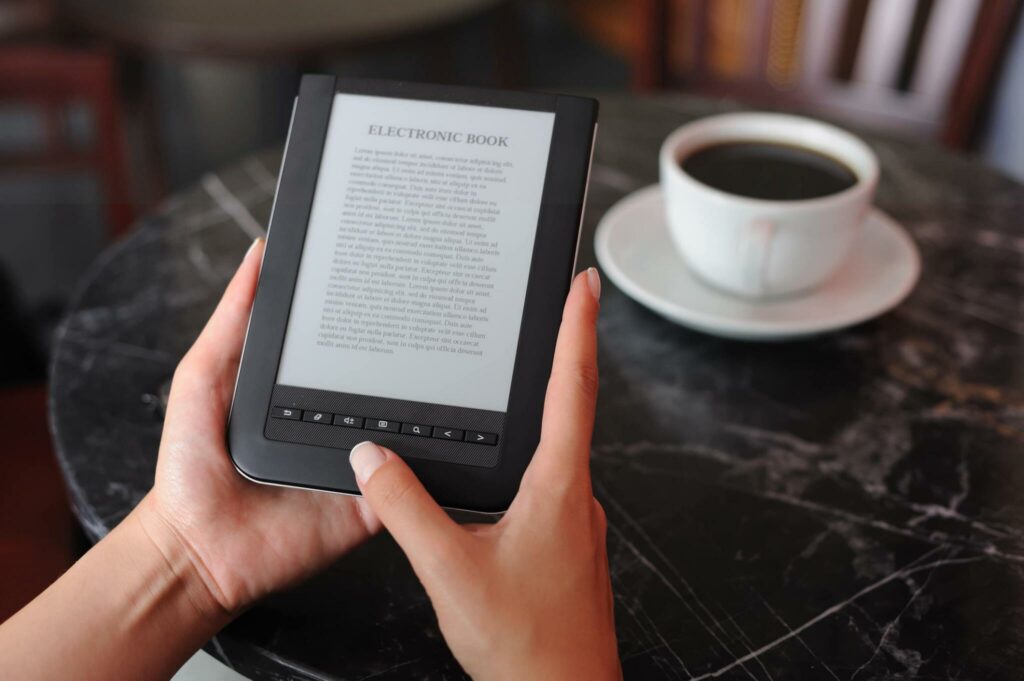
381	424
348	421
316	417
415	429
447	433
286	413
481	438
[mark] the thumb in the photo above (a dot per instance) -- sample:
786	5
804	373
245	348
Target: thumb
403	505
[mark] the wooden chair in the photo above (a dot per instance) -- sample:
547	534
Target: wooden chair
53	82
37	529
921	66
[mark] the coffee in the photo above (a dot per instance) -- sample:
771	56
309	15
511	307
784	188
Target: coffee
768	170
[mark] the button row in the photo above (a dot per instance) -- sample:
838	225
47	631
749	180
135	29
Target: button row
344	421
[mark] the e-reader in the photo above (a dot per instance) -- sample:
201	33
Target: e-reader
420	249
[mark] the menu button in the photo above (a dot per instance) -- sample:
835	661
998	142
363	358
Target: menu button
481	438
447	433
415	429
348	421
286	413
381	424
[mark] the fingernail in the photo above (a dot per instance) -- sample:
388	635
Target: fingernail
252	246
594	282
366	458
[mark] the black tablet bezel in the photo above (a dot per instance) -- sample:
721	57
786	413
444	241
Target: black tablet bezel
476	488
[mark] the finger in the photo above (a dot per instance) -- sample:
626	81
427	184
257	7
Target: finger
225	330
572	389
367	517
211	364
424	531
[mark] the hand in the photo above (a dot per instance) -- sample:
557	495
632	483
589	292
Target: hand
241	540
528	597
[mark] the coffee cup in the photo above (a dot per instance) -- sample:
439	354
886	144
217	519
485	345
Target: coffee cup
758	247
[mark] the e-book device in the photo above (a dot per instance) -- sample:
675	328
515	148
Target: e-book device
420	249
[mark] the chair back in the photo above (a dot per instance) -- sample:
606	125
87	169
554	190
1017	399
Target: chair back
75	96
923	66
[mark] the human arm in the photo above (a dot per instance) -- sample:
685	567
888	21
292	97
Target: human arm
530	596
201	546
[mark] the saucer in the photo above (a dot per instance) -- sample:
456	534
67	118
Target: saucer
635	250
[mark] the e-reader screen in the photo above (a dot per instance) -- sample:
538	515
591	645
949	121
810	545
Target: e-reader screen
420	250
417	253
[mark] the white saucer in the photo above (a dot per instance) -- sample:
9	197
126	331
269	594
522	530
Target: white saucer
635	251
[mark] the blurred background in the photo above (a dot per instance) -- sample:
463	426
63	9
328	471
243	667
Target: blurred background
109	106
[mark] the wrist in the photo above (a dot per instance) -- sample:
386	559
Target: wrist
573	665
553	662
130	608
181	565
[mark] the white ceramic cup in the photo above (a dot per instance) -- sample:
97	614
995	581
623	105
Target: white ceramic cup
760	248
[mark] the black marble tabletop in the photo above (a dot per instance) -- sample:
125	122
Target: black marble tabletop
845	507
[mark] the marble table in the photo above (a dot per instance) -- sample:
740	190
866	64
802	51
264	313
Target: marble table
846	507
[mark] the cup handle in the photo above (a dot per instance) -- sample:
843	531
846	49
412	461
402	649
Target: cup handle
755	247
